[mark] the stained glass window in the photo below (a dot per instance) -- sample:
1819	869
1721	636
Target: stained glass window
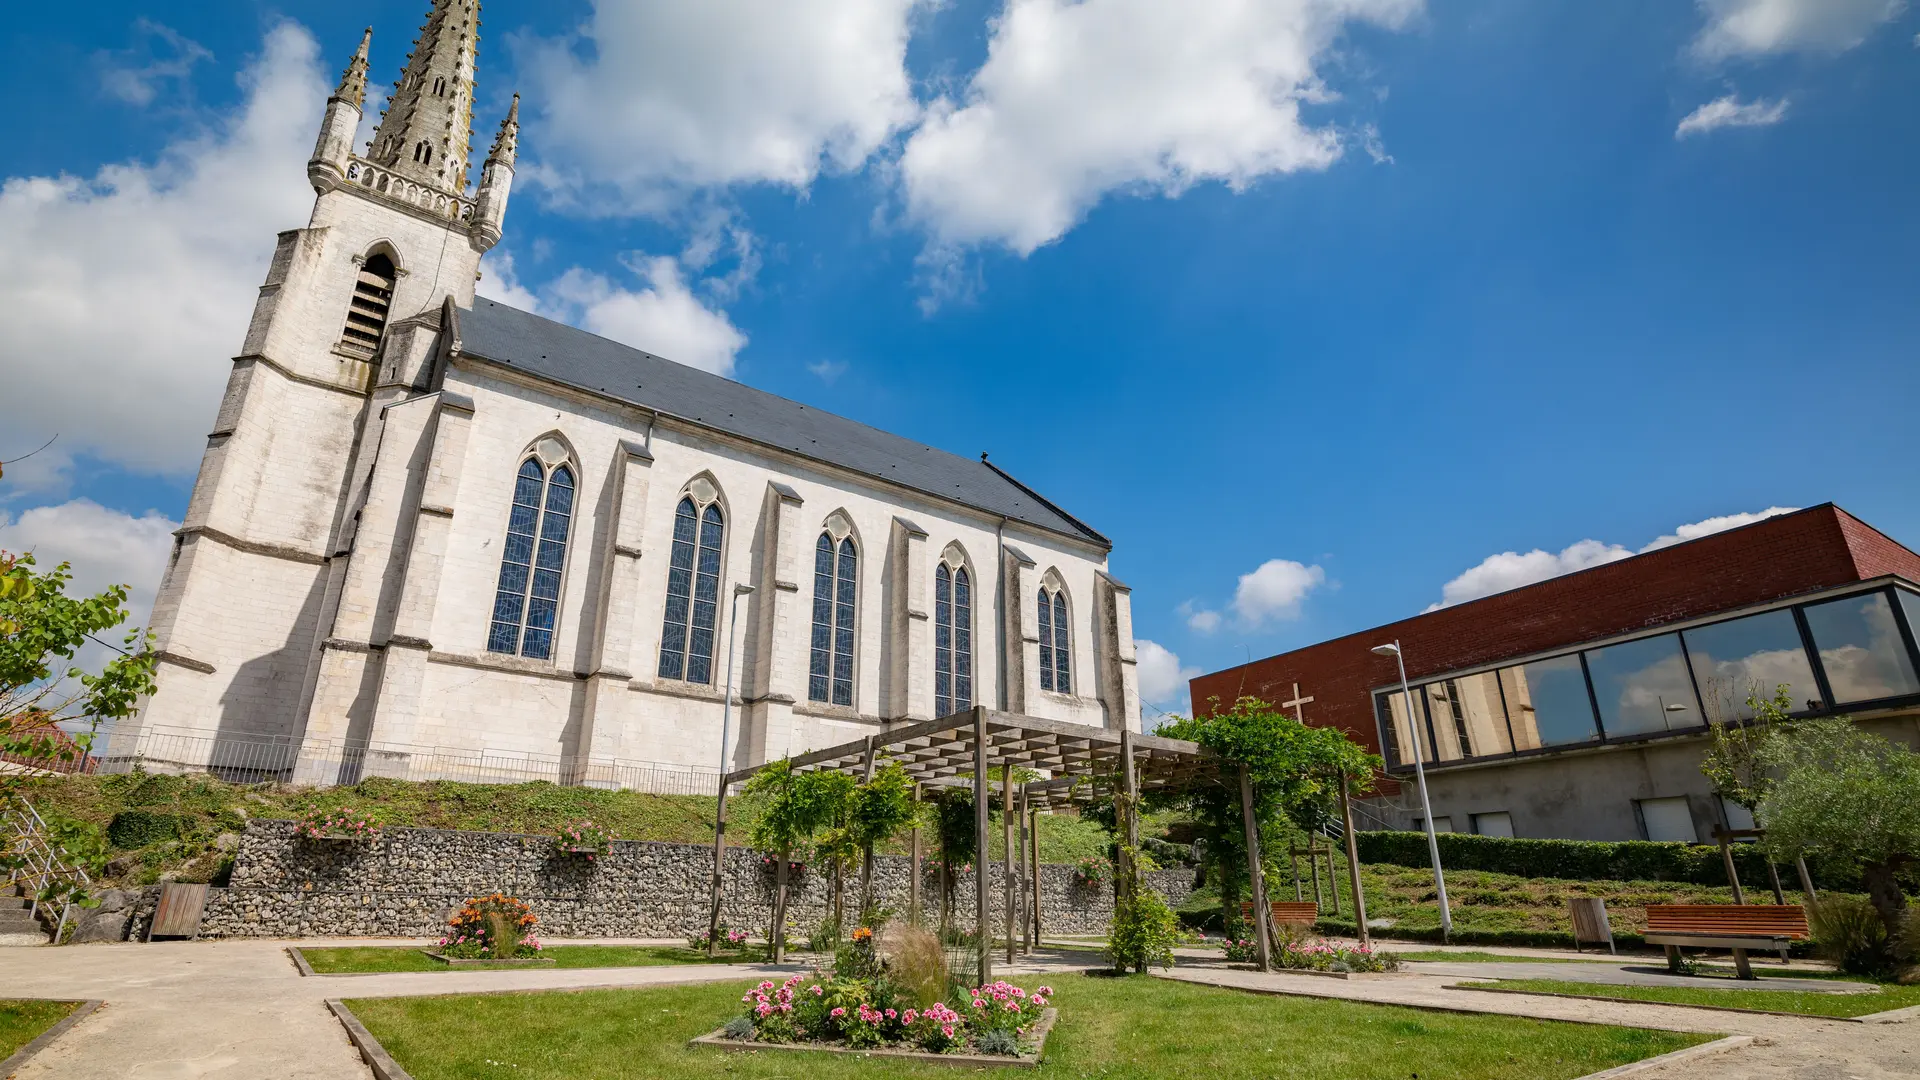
1046	641
526	602
830	674
693	593
1062	649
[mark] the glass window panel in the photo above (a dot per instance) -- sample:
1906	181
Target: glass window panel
1669	819
501	638
1046	641
1548	704
539	615
1062	665
521	518
821	662
1390	735
1468	720
1396	706
1493	823
538	644
1861	648
546	585
1643	687
1753	655
962	640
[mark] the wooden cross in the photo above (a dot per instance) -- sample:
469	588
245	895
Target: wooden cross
1298	704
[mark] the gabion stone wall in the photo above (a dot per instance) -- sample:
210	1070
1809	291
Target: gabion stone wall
408	881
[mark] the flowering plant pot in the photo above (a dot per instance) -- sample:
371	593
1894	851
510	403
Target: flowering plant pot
583	838
496	927
335	825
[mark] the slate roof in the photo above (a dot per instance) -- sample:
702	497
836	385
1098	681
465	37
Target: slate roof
560	353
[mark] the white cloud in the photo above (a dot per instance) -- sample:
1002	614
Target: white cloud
106	547
654	98
1163	679
1275	590
1080	99
1511	570
828	371
1729	111
163	56
127	292
663	317
1737	28
1201	620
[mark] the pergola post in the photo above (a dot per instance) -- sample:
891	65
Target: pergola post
1353	865
914	916
780	907
1130	825
866	851
981	821
1020	867
1263	950
1726	856
1033	843
719	864
1333	878
1009	885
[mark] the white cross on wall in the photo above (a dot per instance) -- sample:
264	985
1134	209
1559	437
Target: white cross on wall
1298	704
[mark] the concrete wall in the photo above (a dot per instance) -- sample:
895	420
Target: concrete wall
407	883
1586	795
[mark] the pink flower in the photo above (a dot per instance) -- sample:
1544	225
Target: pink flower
838	1011
817	990
766	985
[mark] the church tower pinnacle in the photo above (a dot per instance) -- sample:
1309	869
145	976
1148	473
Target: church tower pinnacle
428	125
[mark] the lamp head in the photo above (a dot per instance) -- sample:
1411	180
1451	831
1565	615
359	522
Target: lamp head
1676	708
742	589
1389	649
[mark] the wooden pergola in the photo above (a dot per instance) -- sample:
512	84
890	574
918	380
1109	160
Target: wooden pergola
1081	764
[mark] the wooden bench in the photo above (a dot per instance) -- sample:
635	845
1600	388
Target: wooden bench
1297	912
1739	927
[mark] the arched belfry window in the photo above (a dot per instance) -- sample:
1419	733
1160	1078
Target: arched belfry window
693	585
367	309
526	604
952	635
1056	648
835	582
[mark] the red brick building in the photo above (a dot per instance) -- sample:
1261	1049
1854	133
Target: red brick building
1577	706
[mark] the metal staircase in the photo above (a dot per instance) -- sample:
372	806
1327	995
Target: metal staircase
42	879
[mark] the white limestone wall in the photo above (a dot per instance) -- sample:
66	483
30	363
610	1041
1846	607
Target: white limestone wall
476	700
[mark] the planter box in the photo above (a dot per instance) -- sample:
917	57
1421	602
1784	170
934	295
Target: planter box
717	1040
455	961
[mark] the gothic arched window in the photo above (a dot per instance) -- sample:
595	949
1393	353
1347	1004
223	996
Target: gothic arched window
1056	652
526	604
952	639
835	576
367	309
693	590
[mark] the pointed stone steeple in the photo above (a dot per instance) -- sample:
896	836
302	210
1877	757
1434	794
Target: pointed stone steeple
428	126
353	81
506	145
496	181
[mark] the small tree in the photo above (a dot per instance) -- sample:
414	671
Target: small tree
798	805
42	694
1849	795
954	832
1735	763
880	808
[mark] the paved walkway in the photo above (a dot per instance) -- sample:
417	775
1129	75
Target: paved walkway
1785	1047
1635	973
237	1010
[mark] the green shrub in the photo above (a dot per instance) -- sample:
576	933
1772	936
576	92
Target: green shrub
1583	860
1849	933
1144	933
132	829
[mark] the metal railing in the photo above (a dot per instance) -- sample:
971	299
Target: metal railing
48	870
257	758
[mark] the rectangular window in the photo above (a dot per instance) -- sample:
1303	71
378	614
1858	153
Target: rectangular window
1468	718
1738	817
1548	702
1750	657
1495	823
1643	687
1401	735
1861	648
1668	819
1440	824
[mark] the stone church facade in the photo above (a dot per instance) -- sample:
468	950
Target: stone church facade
427	522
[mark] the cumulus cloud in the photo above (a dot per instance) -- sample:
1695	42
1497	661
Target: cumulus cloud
1730	111
127	292
161	57
1080	99
652	99
1200	620
1163	679
828	371
663	316
1745	28
1275	590
1511	570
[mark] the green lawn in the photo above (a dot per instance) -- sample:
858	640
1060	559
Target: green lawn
1438	956
21	1022
1789	1001
340	960
1137	1027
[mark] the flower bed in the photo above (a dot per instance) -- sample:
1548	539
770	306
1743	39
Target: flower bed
491	928
583	838
997	1021
335	825
730	940
1314	954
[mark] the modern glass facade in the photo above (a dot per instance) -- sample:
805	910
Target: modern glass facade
1849	652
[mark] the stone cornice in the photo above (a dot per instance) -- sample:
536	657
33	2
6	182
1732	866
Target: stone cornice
252	547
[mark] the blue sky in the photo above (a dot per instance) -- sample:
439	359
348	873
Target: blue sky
1325	312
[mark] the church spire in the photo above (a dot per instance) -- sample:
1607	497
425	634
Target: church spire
353	81
428	126
506	145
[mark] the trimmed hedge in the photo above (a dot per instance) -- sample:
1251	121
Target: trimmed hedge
133	829
1588	860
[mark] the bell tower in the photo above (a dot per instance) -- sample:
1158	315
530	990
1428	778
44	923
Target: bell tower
348	320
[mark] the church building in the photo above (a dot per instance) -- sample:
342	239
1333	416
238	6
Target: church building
430	525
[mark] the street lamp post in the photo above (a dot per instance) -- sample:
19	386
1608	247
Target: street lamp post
720	807
1420	773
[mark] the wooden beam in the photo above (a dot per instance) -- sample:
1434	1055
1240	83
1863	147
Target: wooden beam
983	945
913	886
1008	882
1353	867
1263	947
719	857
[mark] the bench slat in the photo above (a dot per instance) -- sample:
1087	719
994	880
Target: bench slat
1758	920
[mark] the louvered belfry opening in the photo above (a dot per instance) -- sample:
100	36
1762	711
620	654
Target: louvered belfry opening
367	311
